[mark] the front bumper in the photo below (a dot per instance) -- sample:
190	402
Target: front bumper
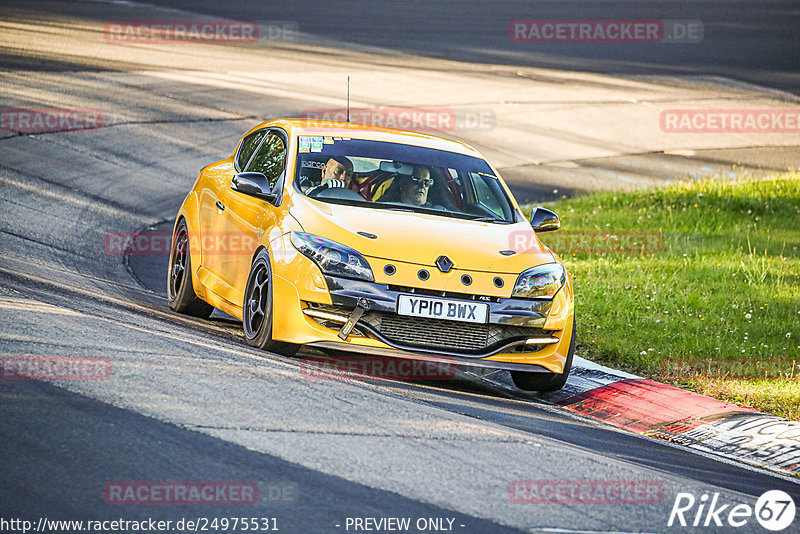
514	325
500	344
520	334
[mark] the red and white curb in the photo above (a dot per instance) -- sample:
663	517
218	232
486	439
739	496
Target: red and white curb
666	412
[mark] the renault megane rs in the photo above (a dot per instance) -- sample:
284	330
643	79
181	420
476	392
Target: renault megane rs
375	241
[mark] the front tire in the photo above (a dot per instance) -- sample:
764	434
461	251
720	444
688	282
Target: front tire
180	291
546	382
257	309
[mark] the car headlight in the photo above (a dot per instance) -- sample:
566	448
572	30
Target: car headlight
332	257
540	282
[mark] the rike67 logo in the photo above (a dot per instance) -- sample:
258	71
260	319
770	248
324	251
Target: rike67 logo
774	510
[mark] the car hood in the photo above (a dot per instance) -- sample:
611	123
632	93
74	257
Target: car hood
421	238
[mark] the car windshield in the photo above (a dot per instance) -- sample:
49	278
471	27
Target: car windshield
394	176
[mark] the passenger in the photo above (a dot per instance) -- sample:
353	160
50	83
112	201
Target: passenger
414	189
337	172
408	189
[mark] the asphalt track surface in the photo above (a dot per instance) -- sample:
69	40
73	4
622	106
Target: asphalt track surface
187	400
751	41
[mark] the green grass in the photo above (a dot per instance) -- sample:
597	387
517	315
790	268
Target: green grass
725	287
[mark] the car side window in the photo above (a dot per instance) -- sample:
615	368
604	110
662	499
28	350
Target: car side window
249	146
486	196
270	159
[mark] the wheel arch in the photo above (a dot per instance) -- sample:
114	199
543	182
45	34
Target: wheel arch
258	251
195	256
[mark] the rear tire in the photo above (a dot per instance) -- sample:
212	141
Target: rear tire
180	291
257	309
546	382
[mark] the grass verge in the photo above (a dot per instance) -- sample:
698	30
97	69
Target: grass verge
696	284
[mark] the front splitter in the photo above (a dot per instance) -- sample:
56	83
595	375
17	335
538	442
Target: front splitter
396	353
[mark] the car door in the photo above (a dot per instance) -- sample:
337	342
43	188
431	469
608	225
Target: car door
216	181
246	217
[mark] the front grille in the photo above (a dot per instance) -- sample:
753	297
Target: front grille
438	334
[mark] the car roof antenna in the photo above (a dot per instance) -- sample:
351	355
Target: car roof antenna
348	99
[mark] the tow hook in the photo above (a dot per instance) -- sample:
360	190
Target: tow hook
361	307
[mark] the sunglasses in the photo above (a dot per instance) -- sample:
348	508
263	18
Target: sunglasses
417	180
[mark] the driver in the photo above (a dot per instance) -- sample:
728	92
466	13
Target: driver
337	172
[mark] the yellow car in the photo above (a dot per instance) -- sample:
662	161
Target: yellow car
374	241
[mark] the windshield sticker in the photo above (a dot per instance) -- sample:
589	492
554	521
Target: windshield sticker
312	164
305	144
316	144
328	140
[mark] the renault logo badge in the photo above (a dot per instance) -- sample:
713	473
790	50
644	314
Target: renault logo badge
444	263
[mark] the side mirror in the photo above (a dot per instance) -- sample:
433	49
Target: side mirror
254	184
544	220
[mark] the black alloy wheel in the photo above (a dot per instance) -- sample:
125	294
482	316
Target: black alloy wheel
180	291
257	309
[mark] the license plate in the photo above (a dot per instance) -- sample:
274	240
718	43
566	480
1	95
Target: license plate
434	308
